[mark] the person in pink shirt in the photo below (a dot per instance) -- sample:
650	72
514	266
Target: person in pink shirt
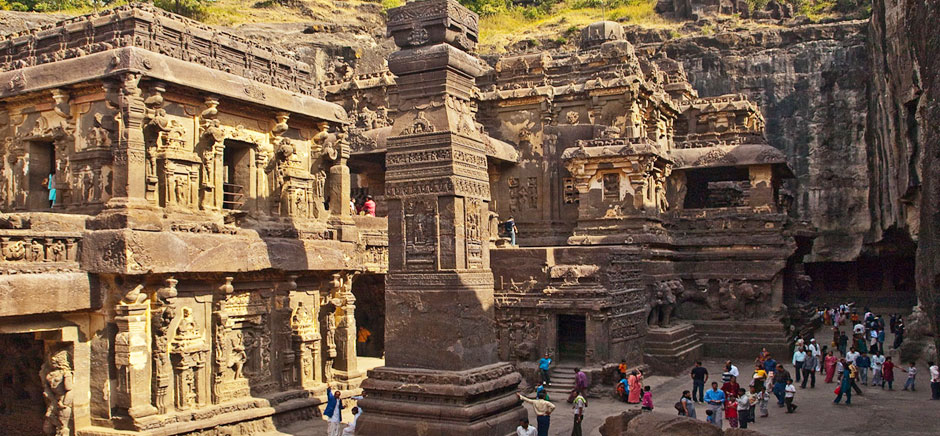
647	403
369	206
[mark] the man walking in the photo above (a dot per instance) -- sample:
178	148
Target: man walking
934	381
863	362
780	384
799	358
511	230
580	381
699	376
543	411
579	404
715	398
544	365
809	369
524	429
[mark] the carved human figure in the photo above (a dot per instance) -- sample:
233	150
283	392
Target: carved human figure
179	187
238	356
572	117
329	336
56	376
36	251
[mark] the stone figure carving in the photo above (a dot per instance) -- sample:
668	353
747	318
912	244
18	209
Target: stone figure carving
56	376
572	117
188	353
98	135
329	336
419	125
237	356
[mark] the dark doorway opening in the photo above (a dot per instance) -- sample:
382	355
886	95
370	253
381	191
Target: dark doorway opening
369	290
571	337
40	172
236	162
21	402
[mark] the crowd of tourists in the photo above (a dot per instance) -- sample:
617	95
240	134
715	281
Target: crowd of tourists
856	356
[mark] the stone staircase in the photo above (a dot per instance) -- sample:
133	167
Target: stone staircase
672	350
742	339
563	376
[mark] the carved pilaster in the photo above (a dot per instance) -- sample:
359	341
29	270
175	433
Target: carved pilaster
132	357
128	148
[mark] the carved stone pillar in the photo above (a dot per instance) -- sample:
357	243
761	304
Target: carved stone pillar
132	358
439	277
339	179
306	340
346	360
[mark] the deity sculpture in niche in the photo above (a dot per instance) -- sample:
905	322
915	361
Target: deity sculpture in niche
56	376
188	353
163	374
305	336
328	322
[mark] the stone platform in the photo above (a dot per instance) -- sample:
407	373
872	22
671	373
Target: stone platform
672	349
742	339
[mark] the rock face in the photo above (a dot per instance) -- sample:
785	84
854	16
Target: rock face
810	82
634	423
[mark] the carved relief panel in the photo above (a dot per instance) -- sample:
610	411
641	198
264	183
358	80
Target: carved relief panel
421	233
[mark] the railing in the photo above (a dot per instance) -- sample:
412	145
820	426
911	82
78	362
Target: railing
233	196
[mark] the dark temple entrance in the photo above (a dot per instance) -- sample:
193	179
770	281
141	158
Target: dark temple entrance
571	337
369	290
21	404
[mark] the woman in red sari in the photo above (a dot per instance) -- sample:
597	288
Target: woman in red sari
636	387
830	365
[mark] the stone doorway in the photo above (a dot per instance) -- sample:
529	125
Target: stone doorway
571	338
21	402
236	159
369	290
41	169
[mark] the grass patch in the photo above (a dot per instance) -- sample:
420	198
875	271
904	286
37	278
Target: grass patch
500	30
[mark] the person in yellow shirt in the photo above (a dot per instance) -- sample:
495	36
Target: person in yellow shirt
543	411
362	338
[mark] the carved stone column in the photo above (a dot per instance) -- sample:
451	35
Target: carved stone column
439	280
339	179
132	358
346	360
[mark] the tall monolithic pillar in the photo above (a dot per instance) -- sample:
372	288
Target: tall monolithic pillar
442	374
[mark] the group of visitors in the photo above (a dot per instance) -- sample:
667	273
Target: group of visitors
334	414
366	207
861	362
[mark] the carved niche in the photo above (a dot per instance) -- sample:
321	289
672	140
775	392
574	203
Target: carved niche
188	353
421	233
476	232
306	341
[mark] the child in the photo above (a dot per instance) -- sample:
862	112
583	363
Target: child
710	417
647	403
540	389
762	399
688	406
790	392
731	409
911	373
623	390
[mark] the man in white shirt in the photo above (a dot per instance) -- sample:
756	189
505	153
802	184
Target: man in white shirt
851	355
934	381
351	428
877	361
814	350
789	393
858	329
733	370
524	429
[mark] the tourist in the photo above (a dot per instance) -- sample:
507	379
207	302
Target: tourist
877	361
760	376
636	387
352	207
699	376
813	349
799	357
845	388
810	366
887	374
899	334
763	398
732	369
858	328
623	390
369	206
687	405
540	389
911	375
579	404
647	402
853	375
753	396
770	365
334	411
525	429
851	355
350	429
744	407
934	381
622	368
544	364
511	230
788	396
731	410
580	381
731	386
830	363
710	417
894	323
49	183
843	343
863	362
363	337
543	411
781	376
715	399
881	340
